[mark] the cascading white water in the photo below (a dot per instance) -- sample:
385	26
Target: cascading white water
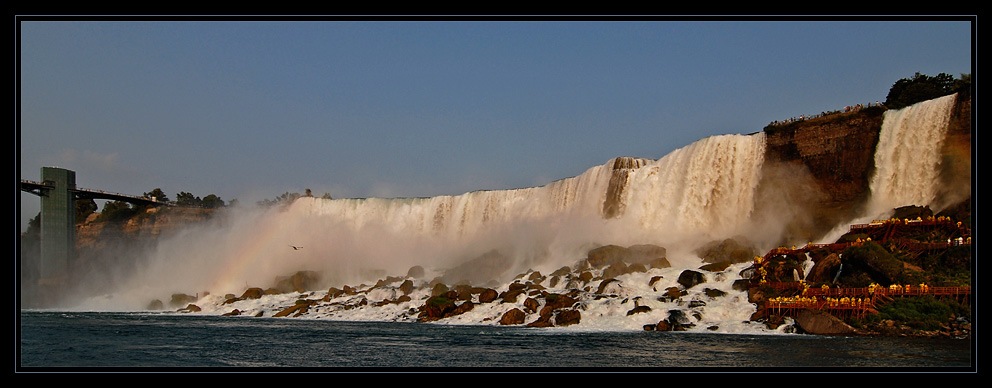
908	155
705	189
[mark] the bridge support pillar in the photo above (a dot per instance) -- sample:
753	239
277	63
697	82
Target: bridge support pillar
58	227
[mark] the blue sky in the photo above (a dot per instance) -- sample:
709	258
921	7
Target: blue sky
249	110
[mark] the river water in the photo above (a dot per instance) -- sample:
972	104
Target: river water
91	341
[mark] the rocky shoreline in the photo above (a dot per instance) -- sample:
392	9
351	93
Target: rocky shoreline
635	284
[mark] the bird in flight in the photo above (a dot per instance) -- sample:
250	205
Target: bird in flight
296	248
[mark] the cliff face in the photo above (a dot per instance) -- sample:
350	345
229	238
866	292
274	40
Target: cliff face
153	223
830	161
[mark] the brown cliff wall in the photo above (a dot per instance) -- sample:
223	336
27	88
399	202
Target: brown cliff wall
154	223
837	150
830	161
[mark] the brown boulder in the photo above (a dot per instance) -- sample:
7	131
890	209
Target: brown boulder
415	272
716	267
252	293
511	296
607	255
155	305
557	301
821	322
488	295
690	278
542	321
646	254
609	286
436	308
532	305
299	308
299	282
638	310
728	250
614	270
179	300
567	317
461	309
562	271
512	317
824	269
406	287
660	263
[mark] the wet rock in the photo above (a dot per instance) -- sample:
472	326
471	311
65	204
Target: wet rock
512	317
690	278
558	301
488	295
729	250
532	305
296	310
713	293
436	308
660	263
155	305
511	296
610	286
638	310
614	270
607	255
439	289
822	322
567	317
416	272
407	287
716	267
562	271
252	293
298	282
741	284
179	300
647	254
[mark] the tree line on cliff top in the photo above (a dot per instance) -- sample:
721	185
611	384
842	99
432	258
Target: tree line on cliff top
921	87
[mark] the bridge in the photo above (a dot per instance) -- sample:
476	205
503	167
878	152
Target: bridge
59	193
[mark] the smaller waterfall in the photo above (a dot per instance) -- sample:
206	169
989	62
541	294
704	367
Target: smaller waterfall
908	155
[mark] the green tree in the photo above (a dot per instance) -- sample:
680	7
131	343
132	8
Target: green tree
34	228
284	199
187	199
212	202
85	207
157	195
920	87
114	211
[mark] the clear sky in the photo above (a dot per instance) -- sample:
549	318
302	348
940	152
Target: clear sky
249	110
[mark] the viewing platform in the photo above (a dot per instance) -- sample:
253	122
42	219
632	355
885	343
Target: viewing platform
848	302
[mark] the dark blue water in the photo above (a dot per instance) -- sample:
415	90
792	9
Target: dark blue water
63	340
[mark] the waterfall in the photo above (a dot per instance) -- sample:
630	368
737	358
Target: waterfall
908	155
705	190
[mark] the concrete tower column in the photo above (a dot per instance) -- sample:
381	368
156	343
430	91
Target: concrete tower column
58	226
